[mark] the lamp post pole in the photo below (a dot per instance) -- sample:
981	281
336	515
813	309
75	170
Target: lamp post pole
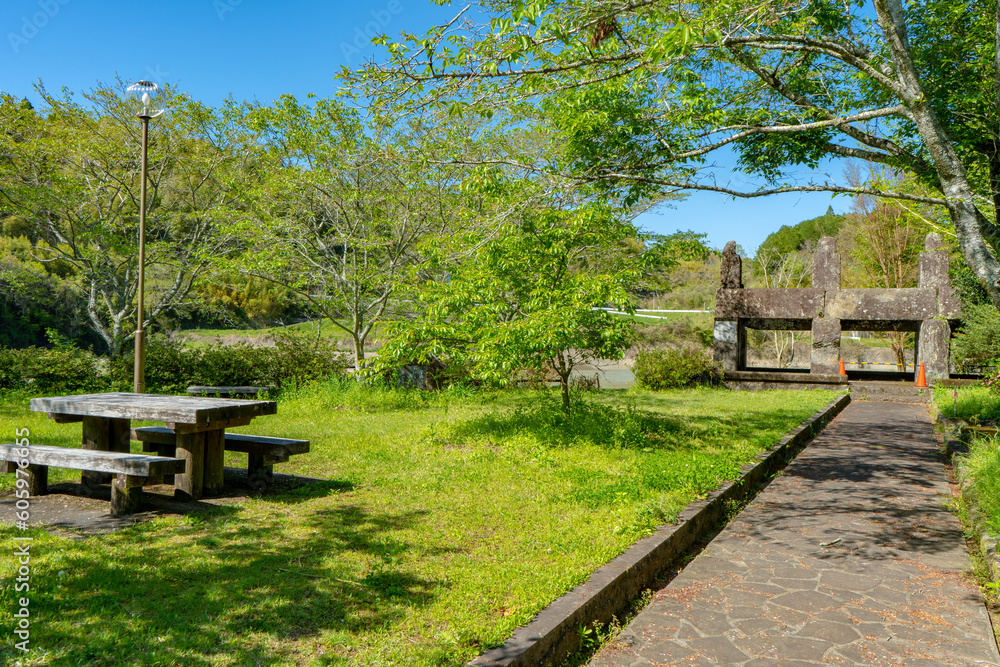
139	381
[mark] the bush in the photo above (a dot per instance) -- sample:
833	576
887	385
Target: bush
60	371
667	369
977	344
171	368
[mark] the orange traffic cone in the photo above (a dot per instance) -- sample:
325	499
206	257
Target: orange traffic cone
843	371
921	376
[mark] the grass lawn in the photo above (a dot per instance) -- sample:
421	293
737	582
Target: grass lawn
444	522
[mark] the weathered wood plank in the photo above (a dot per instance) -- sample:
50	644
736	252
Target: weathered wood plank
191	449
65	419
226	392
260	473
178	427
177	409
234	442
214	455
139	465
265	445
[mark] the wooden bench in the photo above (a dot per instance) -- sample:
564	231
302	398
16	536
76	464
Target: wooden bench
132	471
227	392
262	451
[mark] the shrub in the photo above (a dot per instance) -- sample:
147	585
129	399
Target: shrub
666	369
977	344
170	368
60	371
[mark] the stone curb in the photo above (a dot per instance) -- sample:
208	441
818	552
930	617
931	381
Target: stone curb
551	636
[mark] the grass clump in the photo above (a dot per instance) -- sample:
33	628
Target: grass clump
440	523
975	403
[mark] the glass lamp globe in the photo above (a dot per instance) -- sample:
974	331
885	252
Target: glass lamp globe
145	98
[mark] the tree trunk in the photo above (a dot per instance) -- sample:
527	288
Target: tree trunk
971	226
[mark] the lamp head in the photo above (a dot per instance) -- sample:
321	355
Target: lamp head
145	98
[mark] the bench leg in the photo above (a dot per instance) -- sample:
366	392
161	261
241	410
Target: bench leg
190	447
126	493
260	472
38	480
214	459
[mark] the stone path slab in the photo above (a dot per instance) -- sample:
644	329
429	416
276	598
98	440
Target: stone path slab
849	557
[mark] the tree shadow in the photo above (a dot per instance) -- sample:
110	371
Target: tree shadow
255	587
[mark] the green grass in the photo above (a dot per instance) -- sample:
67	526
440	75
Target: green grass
972	403
443	522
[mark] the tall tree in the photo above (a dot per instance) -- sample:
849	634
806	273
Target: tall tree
346	205
72	173
645	92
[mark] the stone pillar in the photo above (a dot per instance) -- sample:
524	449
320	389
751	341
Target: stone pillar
935	348
826	265
933	263
825	346
731	345
732	267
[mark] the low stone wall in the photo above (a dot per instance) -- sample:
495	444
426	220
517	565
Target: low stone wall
759	380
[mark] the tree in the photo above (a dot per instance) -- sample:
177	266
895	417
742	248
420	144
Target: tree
344	207
645	92
72	173
530	298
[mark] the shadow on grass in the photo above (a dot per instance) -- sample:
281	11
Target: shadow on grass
628	427
225	587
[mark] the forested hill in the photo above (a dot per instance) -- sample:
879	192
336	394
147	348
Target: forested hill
789	239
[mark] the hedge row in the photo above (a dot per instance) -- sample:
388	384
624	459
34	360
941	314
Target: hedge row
170	367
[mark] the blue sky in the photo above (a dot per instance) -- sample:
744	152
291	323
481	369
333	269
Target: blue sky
259	49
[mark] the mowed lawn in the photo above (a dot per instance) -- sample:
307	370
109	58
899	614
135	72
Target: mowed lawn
441	523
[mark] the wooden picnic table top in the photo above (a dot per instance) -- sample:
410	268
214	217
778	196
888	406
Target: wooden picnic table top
155	407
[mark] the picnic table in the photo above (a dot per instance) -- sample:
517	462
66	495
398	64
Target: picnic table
199	425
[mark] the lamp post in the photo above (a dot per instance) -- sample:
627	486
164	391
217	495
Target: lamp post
145	94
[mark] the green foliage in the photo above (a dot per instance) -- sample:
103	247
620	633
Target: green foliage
170	368
670	369
977	343
969	403
527	299
982	464
64	370
803	236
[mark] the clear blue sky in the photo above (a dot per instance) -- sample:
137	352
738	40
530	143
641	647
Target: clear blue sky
258	49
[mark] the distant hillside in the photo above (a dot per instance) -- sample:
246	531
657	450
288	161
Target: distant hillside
789	239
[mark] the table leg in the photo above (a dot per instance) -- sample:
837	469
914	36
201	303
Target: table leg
190	447
214	454
107	434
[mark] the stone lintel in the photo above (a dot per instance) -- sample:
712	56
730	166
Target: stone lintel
825	358
918	303
769	304
784	324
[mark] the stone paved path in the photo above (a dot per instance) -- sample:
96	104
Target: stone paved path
847	558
